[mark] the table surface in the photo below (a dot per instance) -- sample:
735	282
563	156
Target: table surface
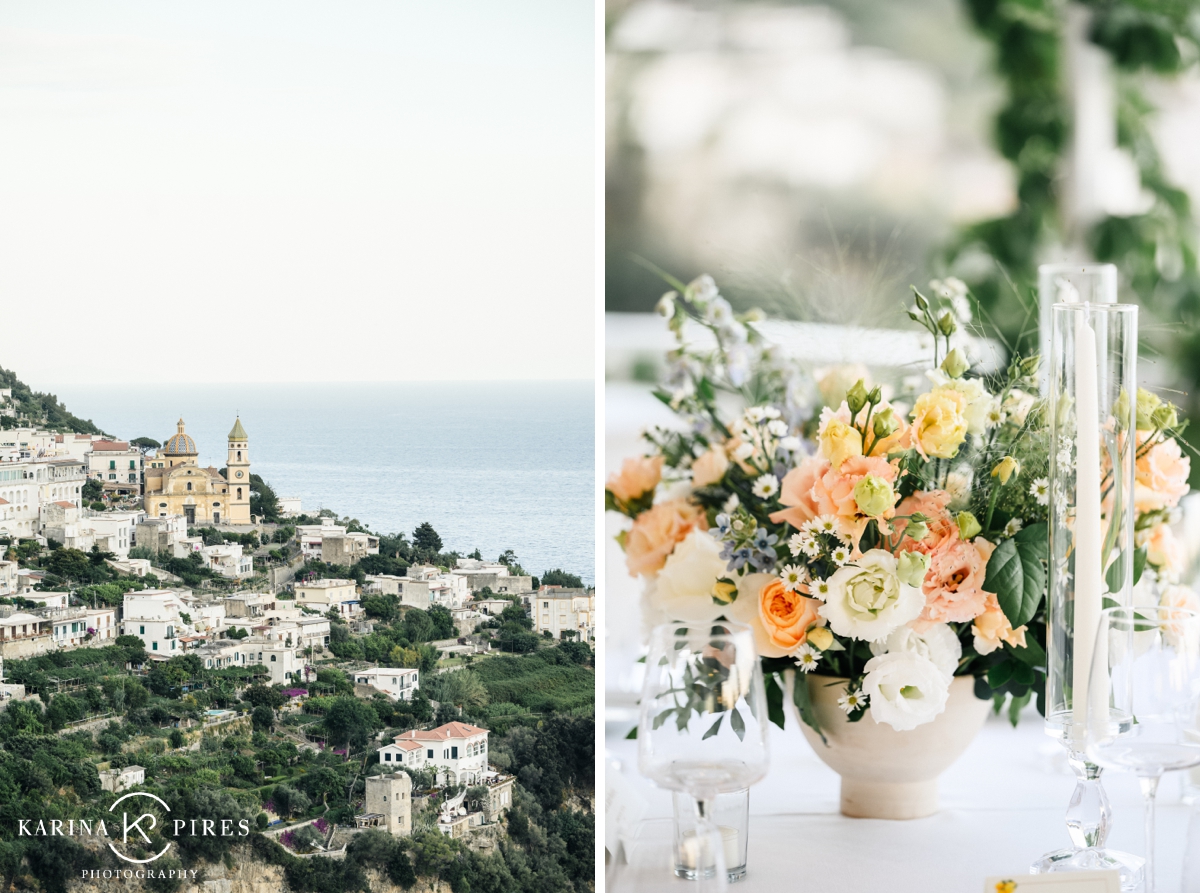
1003	802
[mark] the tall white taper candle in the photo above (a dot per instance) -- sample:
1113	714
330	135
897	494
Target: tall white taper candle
1089	577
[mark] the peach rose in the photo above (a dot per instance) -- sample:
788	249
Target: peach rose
636	477
656	532
954	582
991	629
1161	476
710	468
833	492
779	617
796	492
1163	550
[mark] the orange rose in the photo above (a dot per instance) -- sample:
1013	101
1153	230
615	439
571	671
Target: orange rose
1161	476
779	617
655	533
636	477
1163	550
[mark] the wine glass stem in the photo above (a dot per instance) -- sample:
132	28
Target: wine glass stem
1149	784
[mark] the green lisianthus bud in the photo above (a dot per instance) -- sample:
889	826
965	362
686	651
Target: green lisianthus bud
875	396
885	423
955	363
918	527
874	496
856	397
911	568
968	525
1165	416
1147	404
946	324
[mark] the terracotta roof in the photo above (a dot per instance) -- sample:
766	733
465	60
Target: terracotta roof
66	505
441	733
406	744
105	445
3	501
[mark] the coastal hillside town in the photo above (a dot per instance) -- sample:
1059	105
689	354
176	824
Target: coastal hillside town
367	702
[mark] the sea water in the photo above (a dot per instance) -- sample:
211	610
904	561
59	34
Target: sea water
491	465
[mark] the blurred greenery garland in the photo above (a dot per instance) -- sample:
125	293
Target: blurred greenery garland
1155	251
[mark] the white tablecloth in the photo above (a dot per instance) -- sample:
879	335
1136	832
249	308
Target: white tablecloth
1002	807
1002	802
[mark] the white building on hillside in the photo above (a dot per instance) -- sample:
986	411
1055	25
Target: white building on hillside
117	465
397	682
153	616
310	536
228	560
8	576
457	751
557	610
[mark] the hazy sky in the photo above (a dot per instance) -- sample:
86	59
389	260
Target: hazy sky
275	191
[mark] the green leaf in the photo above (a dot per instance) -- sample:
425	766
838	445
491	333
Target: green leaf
1015	572
737	723
632	736
999	675
1139	563
682	716
1116	573
1032	655
1016	705
714	728
803	702
775	700
662	717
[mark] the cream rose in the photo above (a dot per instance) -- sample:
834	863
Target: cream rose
866	599
905	689
684	589
1161	477
710	468
637	476
839	442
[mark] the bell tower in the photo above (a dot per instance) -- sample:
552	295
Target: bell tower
237	500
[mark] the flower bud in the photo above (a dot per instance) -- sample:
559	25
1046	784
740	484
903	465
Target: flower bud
666	305
856	397
1165	416
911	568
968	525
1006	468
754	314
1147	405
885	423
724	592
874	496
820	638
955	363
876	395
922	304
1029	366
946	324
917	530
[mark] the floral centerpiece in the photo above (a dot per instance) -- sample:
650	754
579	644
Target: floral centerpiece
890	539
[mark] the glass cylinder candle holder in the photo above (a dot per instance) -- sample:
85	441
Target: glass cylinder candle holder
1092	404
731	815
1068	284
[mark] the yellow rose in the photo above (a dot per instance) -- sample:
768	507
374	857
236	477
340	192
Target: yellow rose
710	468
939	423
839	442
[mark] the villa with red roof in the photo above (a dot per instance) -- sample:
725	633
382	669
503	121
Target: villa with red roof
456	750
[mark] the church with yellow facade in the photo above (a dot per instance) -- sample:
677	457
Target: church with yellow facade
177	485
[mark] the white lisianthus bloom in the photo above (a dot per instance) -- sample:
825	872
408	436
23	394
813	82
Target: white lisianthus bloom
685	584
905	689
867	601
938	643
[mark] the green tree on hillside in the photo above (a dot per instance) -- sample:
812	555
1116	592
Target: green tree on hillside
426	540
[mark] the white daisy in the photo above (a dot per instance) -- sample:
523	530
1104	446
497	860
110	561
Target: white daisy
731	504
1011	528
793	576
996	415
806	658
777	428
840	555
1060	502
819	588
852	700
1064	459
743	452
772	412
766	486
791	444
822	524
1040	490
